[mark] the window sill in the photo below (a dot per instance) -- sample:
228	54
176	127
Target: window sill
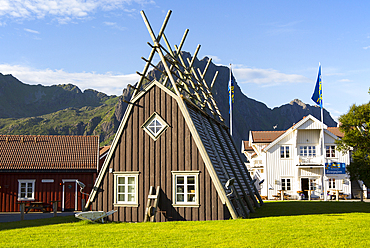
186	205
135	205
25	199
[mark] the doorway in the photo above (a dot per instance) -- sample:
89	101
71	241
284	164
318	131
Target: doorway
69	196
305	187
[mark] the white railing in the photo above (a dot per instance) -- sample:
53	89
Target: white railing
310	160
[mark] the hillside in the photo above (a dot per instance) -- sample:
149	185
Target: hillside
18	100
65	109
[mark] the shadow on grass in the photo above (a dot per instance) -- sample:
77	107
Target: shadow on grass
288	208
38	222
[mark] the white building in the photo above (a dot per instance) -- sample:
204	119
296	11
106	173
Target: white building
293	161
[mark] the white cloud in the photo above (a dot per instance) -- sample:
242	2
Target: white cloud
114	25
31	31
62	10
107	83
366	47
214	58
345	80
266	77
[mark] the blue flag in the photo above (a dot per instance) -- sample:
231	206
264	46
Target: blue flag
231	91
317	94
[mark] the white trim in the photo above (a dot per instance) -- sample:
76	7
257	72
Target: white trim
33	189
175	174
126	174
164	124
47	180
63	195
290	130
290	151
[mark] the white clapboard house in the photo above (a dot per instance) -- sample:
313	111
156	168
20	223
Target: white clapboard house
291	163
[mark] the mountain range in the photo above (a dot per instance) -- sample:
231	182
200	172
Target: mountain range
65	109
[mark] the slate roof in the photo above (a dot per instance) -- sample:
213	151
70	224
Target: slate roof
48	152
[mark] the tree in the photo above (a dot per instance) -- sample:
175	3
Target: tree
355	126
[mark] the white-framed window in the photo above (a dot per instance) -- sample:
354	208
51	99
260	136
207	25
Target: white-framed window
284	151
26	190
286	184
330	151
155	126
313	184
307	151
331	183
126	188
185	188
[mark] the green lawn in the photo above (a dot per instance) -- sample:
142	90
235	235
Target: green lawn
276	224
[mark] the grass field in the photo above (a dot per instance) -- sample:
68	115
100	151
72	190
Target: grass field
276	224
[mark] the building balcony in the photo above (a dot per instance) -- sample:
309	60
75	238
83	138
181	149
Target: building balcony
310	161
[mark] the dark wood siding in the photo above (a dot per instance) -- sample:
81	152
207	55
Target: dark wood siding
174	150
44	192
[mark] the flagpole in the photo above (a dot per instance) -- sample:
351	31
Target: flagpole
323	139
230	104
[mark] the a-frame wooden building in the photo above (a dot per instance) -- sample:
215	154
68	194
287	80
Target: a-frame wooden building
172	157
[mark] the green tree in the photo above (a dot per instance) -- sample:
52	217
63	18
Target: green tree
355	125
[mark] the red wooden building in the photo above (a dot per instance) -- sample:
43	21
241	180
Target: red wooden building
46	168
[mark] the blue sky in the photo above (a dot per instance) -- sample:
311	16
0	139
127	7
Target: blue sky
274	46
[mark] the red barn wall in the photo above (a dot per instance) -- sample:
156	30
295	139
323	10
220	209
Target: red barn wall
44	192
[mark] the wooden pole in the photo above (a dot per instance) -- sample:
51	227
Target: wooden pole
22	208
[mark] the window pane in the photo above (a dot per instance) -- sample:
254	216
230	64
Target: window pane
157	129
191	180
23	195
282	151
23	185
155	126
180	180
131	180
180	198
180	189
157	123
29	195
23	190
191	188
191	197
121	197
121	180
131	189
287	151
121	189
130	197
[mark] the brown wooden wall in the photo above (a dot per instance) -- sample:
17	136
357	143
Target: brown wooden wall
174	150
44	192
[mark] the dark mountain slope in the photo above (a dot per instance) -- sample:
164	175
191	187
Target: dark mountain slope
65	109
